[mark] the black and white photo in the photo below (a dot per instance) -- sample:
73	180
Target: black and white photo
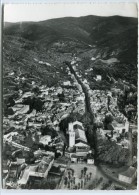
70	96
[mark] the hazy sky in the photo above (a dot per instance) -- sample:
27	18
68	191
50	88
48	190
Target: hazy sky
38	12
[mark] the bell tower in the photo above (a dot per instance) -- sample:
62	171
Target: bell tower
71	135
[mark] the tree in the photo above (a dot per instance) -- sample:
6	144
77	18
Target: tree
72	172
74	180
69	184
76	187
61	97
79	185
65	181
69	177
36	90
34	103
82	172
85	170
68	173
90	175
87	177
11	102
10	111
108	118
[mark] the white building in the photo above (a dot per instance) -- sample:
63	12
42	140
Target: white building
77	137
20	161
80	98
98	77
90	159
73	158
129	175
45	139
67	83
93	58
23	110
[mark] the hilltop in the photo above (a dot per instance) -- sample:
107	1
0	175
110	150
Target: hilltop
56	40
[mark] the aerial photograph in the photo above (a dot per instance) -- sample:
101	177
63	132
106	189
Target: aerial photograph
69	96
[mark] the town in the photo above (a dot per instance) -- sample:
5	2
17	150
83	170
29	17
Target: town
48	141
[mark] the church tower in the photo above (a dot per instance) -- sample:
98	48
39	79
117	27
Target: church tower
71	135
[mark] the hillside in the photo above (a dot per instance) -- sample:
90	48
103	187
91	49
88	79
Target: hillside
56	40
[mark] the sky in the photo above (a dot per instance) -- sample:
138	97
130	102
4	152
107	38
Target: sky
39	12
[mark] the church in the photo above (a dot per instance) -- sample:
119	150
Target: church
77	140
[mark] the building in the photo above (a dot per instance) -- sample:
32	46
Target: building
17	107
27	94
80	98
98	77
90	158
74	158
77	136
20	108
93	58
67	83
45	140
78	146
129	175
40	170
24	110
20	161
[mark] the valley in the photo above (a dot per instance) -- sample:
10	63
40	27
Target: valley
70	100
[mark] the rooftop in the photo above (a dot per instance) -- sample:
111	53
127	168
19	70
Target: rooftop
80	135
129	172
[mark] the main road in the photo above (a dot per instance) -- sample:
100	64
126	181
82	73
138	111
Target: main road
92	117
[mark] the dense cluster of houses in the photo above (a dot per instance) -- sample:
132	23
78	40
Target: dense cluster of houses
23	127
35	136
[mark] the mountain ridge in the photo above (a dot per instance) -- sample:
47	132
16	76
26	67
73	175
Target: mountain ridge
109	37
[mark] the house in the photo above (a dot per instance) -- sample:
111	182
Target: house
90	158
20	161
80	98
40	152
74	158
85	81
93	58
45	139
129	175
9	136
11	73
24	109
27	94
17	107
98	78
73	62
67	83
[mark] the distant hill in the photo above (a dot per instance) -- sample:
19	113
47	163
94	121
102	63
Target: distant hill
106	37
114	33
